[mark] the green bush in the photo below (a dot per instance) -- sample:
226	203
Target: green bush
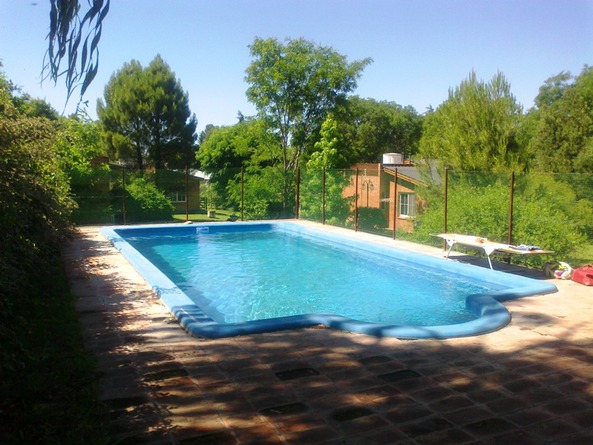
546	213
370	218
145	202
34	207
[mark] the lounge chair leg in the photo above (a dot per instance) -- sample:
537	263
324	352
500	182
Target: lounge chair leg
449	251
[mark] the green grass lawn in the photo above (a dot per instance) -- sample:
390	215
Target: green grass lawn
221	215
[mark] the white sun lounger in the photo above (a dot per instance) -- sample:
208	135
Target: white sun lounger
489	247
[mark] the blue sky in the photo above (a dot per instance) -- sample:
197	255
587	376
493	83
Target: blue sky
420	48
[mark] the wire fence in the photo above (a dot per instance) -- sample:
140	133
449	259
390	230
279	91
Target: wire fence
399	201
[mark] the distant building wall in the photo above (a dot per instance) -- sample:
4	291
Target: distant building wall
376	188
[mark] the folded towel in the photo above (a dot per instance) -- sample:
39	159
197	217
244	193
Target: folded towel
526	247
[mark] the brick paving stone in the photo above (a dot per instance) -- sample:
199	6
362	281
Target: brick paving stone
190	436
389	435
516	437
316	389
507	404
584	418
320	434
575	388
486	395
456	380
566	406
427	426
350	413
450	436
368	395
264	399
300	421
374	360
432	394
258	436
452	403
522	385
361	425
554	430
528	416
404	413
395	401
541	395
489	427
356	383
469	415
580	438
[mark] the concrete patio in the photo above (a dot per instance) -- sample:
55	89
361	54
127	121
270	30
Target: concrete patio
528	383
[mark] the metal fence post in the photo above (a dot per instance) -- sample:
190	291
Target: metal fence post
511	205
242	191
395	205
356	202
123	185
323	196
446	192
298	193
186	193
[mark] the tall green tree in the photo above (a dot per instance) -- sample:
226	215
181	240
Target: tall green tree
563	140
328	156
226	149
294	86
475	129
146	117
370	128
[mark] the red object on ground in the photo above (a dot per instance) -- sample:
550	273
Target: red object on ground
583	275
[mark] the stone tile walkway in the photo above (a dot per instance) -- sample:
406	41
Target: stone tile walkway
529	383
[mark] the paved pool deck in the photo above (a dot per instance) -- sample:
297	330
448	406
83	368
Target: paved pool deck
528	383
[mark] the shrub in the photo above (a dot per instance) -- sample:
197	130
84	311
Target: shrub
145	202
372	219
546	213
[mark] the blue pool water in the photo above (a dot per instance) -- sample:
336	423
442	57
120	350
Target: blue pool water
243	278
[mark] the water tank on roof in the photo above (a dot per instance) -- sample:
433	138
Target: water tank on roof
393	158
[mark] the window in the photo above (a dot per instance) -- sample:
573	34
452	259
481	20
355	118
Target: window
407	205
177	195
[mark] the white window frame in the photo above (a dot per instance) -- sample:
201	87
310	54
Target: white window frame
174	195
406	205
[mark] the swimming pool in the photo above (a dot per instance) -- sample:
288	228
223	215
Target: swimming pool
231	279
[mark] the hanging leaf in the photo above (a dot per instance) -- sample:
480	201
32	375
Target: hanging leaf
66	32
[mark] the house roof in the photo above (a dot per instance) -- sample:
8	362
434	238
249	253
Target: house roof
413	173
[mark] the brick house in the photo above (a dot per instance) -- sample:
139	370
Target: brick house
377	190
178	191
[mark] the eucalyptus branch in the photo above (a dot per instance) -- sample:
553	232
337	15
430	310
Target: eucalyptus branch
73	43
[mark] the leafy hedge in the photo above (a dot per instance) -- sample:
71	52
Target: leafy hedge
34	206
146	202
546	213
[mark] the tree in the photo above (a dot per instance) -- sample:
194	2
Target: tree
81	155
76	40
553	89
371	128
328	155
226	149
563	140
475	128
294	87
146	116
78	145
34	198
